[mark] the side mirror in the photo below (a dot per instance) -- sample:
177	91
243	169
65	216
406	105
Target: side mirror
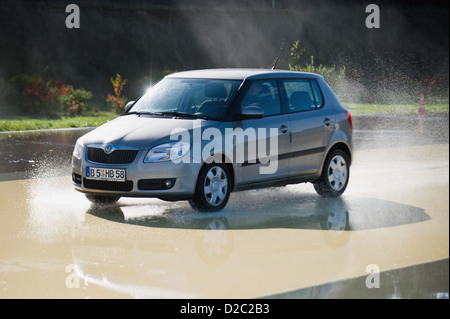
252	112
129	105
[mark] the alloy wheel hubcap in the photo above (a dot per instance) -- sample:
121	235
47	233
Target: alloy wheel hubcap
216	186
337	173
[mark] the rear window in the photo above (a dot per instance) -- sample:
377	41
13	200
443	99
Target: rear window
303	95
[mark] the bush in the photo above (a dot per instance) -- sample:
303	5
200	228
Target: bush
41	97
117	101
74	101
36	96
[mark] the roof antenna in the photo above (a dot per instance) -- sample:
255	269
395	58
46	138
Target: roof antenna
278	56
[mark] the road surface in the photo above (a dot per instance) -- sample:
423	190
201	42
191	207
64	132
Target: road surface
386	237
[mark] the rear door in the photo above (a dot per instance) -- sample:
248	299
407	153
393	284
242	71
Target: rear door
311	124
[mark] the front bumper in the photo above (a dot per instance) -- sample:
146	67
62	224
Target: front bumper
164	180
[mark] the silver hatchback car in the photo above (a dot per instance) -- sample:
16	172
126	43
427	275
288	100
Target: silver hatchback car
199	135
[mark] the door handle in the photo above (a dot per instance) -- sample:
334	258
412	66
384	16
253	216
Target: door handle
327	122
284	128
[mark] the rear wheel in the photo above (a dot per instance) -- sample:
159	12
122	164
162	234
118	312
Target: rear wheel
335	175
102	199
213	188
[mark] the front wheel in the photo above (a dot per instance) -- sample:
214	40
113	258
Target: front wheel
213	188
335	175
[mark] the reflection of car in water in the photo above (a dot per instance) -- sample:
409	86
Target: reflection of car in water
250	249
210	249
245	250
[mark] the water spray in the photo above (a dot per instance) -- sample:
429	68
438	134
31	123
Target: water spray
421	112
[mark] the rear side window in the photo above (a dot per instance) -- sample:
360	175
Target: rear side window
317	93
302	95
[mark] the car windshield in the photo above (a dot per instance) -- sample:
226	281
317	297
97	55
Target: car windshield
191	98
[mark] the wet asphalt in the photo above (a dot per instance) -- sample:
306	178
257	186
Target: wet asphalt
272	243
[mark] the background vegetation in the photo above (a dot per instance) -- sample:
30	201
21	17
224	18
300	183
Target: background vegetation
123	47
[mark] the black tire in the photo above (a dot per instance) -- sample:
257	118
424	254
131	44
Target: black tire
102	199
213	188
335	175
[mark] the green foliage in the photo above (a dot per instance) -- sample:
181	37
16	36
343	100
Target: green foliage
440	106
74	101
20	94
36	96
30	123
20	81
330	74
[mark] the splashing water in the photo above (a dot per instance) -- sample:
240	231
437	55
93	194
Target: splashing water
55	209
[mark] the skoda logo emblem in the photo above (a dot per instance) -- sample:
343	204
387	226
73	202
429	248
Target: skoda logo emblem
108	149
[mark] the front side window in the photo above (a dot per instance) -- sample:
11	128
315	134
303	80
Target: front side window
303	95
263	93
205	98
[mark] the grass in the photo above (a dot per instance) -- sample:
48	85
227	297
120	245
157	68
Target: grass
94	119
356	108
25	123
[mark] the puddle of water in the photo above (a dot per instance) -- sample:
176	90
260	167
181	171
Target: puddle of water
25	154
151	248
280	208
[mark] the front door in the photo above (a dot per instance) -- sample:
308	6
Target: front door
262	161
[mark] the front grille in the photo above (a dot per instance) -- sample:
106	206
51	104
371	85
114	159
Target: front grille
98	155
126	186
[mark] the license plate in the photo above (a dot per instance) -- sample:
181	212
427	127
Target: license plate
106	174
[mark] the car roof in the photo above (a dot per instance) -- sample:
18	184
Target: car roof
242	74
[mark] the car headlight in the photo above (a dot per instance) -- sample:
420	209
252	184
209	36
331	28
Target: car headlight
78	150
167	152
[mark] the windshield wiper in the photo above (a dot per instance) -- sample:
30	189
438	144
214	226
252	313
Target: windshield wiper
171	113
141	113
129	113
182	114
